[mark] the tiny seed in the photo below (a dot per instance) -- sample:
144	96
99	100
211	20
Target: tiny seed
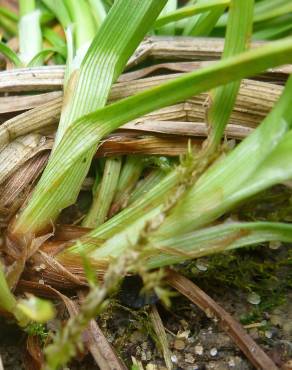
254	298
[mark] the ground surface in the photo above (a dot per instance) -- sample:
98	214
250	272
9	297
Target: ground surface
196	342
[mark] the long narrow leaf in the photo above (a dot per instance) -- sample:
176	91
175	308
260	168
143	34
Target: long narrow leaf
239	30
84	26
90	86
189	12
30	35
10	54
204	24
99	11
105	195
96	125
59	9
8	14
215	192
39	57
215	239
164	251
168	29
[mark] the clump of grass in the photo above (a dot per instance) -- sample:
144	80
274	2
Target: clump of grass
179	213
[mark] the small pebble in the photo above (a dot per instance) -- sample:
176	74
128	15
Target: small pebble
199	350
179	344
254	298
151	367
201	267
275	245
213	352
191	340
189	358
231	363
268	334
183	334
173	359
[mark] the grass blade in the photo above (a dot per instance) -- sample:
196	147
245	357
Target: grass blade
215	239
105	195
239	30
215	192
96	125
130	174
39	57
10	54
84	27
99	11
29	30
102	65
9	14
168	29
189	11
204	24
205	194
58	8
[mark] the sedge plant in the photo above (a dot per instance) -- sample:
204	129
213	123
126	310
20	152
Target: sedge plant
171	216
48	199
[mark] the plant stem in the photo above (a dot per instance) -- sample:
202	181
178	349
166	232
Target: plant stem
203	25
88	90
99	11
85	29
150	200
7	299
246	161
210	204
29	29
9	26
146	184
169	29
26	7
66	342
130	174
237	39
93	127
189	11
105	195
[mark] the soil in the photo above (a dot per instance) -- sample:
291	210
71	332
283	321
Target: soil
195	341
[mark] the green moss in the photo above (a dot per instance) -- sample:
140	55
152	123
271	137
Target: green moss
274	204
259	269
39	330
